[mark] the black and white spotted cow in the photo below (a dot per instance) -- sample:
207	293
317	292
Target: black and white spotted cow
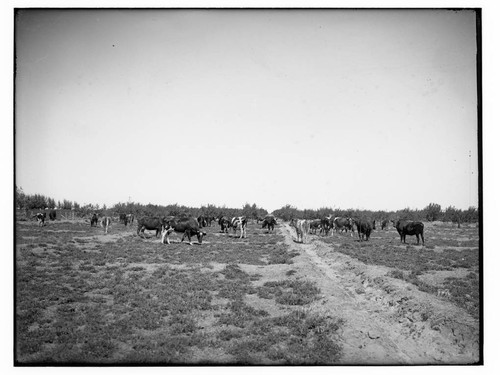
40	218
239	222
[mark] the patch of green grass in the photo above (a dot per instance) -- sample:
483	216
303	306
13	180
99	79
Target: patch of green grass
240	314
182	324
229	334
281	255
289	292
465	292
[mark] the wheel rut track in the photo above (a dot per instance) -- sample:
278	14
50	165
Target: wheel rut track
379	312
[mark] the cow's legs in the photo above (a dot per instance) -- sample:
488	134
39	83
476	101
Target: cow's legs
186	233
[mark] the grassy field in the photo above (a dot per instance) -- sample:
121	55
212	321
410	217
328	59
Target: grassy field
85	297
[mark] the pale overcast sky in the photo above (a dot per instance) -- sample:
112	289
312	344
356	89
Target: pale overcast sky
372	109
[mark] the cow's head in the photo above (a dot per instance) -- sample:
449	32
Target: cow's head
200	236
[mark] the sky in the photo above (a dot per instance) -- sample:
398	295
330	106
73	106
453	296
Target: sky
369	109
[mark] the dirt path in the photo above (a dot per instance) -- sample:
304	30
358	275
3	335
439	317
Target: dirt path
387	321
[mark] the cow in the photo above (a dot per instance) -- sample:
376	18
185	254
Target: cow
40	218
344	224
327	224
52	215
130	218
314	225
202	221
269	222
364	227
106	223
384	224
93	220
412	228
150	223
239	222
224	223
209	220
123	218
302	228
188	226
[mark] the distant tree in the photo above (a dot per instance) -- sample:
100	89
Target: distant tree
20	198
51	203
287	213
66	204
471	215
408	214
432	212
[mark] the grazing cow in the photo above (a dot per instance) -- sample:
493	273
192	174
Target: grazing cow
202	221
384	224
364	227
224	223
40	218
188	226
302	228
412	228
269	222
93	220
106	223
239	222
130	218
314	225
150	223
52	215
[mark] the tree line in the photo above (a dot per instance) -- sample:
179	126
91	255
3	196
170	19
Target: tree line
432	212
41	202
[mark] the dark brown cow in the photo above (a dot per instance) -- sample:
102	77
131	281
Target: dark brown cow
202	221
344	224
188	226
94	220
364	227
269	222
150	223
224	223
314	225
327	224
384	224
123	219
412	228
52	215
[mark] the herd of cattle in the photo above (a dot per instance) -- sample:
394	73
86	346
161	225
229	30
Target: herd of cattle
191	226
363	226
